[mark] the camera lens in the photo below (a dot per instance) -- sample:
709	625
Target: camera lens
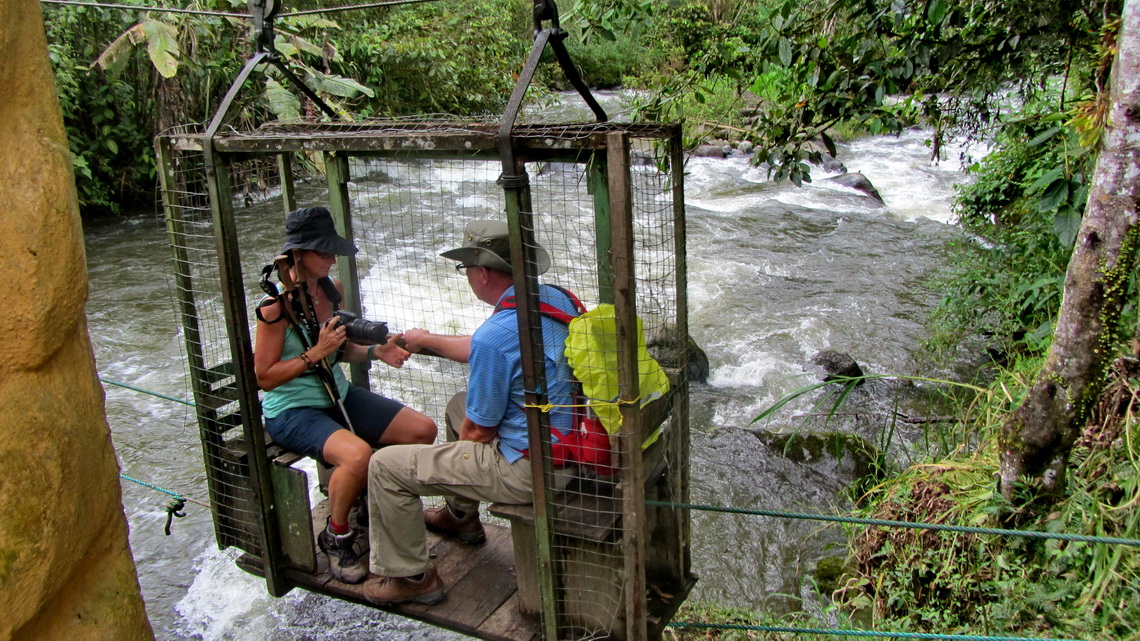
361	330
367	331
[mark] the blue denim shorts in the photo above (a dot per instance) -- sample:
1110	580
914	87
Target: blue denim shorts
304	430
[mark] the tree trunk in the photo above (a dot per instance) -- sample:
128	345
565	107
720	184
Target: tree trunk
1038	436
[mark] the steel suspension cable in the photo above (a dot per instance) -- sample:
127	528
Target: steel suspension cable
352	7
230	14
163	490
145	391
135	7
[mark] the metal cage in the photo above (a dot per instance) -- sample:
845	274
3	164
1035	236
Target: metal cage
590	560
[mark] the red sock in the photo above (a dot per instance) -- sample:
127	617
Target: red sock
340	529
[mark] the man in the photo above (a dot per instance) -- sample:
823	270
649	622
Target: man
485	458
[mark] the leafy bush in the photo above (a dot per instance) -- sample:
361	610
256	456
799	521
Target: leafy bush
455	58
1021	214
606	64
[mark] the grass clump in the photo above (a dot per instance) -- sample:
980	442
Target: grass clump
925	581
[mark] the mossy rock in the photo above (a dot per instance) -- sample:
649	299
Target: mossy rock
848	455
829	573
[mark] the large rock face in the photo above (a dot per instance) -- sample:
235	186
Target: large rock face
65	569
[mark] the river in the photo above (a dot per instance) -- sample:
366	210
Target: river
777	273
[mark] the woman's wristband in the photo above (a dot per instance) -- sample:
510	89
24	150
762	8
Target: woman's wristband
308	361
372	352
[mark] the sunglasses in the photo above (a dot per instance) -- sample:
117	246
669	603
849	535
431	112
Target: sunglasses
462	269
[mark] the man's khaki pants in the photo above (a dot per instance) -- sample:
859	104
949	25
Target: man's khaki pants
464	471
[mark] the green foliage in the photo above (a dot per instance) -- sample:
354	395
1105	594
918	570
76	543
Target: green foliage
109	120
710	106
607	64
698	621
879	65
123	75
442	58
606	19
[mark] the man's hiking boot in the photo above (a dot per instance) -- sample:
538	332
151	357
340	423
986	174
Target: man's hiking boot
348	554
394	590
467	529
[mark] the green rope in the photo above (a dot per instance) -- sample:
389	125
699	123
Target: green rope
144	391
156	488
1029	534
853	633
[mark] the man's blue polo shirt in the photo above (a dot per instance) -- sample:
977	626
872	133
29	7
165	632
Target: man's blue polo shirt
495	390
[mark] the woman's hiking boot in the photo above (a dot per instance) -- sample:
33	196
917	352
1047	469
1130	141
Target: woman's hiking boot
466	528
394	590
348	554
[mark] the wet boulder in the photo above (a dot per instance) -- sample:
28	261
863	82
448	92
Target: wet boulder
858	181
832	165
669	354
826	162
710	151
831	364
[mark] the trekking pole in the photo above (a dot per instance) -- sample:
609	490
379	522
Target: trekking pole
308	327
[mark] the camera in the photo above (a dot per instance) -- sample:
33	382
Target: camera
361	330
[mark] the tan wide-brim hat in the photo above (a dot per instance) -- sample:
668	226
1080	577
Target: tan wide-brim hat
488	244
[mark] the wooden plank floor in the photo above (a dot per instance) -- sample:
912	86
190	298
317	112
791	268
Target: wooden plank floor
479	579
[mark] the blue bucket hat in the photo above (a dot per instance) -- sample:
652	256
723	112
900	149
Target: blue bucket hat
312	228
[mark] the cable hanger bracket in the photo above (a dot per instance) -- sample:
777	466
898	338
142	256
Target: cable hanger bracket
554	35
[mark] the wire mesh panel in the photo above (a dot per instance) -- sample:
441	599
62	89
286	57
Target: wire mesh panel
407	190
199	291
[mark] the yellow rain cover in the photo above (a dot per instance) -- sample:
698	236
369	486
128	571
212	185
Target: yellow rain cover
591	350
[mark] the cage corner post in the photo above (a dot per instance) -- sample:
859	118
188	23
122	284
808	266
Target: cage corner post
632	484
340	204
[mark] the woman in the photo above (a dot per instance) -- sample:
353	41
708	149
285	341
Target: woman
299	411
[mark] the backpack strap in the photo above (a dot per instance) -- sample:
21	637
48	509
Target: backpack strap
546	309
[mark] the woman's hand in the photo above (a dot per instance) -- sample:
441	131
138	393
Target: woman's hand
391	353
331	338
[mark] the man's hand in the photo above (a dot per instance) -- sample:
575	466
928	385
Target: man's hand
414	339
452	347
472	431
